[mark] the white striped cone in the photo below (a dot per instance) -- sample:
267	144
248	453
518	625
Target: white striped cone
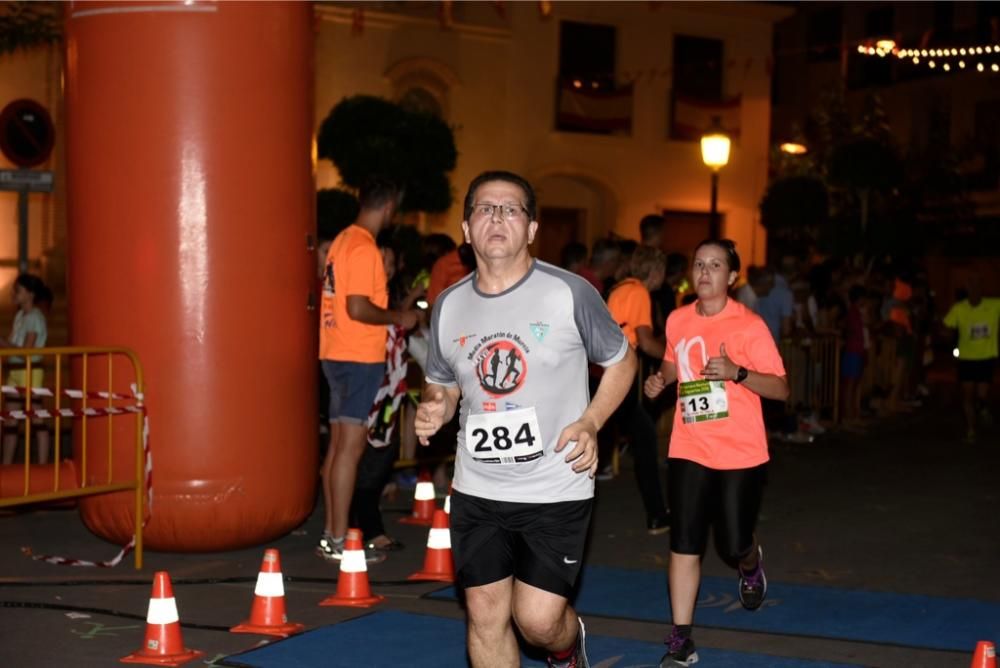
163	645
353	589
423	505
267	614
438	563
985	655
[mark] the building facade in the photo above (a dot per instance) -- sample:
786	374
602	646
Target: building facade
599	104
579	97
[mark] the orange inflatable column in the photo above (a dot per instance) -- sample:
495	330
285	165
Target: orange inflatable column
190	195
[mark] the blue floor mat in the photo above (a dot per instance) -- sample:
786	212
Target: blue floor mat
801	610
393	639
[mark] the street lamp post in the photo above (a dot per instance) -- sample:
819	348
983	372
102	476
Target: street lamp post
715	154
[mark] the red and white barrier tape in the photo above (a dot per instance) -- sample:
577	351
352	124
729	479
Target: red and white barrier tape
43	413
17	391
148	482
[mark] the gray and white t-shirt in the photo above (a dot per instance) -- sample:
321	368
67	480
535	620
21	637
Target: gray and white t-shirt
24	324
520	361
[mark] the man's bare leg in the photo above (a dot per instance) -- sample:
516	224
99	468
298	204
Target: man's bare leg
491	640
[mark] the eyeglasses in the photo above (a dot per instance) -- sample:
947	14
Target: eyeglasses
506	211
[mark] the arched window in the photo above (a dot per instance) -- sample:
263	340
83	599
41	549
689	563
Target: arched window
423	84
421	100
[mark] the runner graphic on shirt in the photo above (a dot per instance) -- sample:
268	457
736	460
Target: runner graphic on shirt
501	367
329	320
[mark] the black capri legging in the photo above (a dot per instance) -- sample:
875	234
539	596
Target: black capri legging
701	497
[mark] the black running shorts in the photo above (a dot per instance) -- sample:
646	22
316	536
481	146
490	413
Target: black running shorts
976	371
540	544
701	497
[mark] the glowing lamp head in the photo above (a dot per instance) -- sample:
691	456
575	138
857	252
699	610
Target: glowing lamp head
715	146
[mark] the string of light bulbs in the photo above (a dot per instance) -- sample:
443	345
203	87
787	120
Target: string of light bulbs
932	57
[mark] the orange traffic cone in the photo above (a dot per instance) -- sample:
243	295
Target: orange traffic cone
438	564
423	505
164	645
985	656
352	585
267	614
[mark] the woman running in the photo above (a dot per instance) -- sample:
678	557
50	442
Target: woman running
725	359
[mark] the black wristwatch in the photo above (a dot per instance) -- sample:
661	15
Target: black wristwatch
741	375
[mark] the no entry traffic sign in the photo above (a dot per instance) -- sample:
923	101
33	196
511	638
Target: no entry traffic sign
26	133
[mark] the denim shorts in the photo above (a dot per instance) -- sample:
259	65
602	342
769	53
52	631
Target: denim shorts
353	386
852	365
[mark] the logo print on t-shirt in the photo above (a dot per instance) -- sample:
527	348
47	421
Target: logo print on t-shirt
463	339
328	279
539	329
501	368
682	354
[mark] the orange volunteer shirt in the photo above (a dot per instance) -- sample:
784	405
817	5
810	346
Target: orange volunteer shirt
353	267
739	440
631	307
447	270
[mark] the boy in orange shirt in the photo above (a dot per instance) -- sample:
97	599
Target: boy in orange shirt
352	337
631	307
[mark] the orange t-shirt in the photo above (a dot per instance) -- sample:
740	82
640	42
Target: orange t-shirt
631	307
739	440
899	313
447	271
353	267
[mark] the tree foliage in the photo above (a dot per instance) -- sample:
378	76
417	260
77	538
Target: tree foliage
24	25
335	210
365	135
794	208
864	163
846	195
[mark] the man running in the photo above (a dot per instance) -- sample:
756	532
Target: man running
523	487
977	319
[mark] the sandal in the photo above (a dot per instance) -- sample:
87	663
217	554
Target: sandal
392	546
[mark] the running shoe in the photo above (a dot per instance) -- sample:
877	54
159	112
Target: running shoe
579	658
799	437
753	587
810	424
327	547
680	651
406	479
333	550
658	524
606	473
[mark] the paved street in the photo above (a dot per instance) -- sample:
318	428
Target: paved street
908	508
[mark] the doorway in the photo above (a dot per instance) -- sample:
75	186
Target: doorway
557	226
686	229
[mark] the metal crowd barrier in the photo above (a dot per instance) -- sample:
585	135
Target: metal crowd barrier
812	365
879	367
55	403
